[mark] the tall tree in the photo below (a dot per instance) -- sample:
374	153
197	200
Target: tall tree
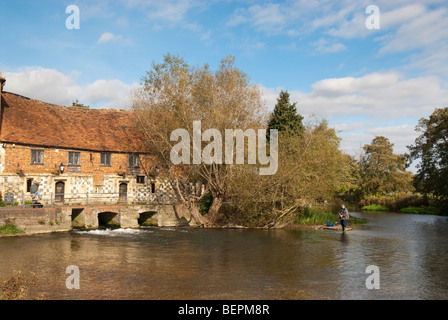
431	148
175	95
311	169
382	170
285	118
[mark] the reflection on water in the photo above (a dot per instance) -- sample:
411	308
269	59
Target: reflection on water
171	263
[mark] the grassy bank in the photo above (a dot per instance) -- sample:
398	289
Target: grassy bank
375	207
420	210
10	228
321	216
401	202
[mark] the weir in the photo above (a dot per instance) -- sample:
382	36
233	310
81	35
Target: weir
60	219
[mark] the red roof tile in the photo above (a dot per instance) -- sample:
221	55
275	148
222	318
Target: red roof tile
32	122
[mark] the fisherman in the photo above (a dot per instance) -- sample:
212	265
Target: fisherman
344	216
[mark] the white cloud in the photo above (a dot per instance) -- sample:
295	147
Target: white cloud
169	13
111	93
52	86
325	46
110	37
43	84
360	108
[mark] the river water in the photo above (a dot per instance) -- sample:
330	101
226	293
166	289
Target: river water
410	252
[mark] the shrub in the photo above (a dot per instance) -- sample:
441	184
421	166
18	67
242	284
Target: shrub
375	207
420	210
205	203
315	216
10	228
396	201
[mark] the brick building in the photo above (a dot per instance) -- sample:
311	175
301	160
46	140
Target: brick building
76	153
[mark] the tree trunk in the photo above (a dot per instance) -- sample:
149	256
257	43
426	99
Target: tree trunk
197	216
214	209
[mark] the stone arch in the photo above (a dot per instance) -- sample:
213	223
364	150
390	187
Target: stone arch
148	218
108	219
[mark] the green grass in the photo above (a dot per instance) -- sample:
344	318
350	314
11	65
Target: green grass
420	210
375	207
315	217
10	228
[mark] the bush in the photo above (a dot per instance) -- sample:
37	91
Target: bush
396	201
316	216
205	203
10	228
375	207
420	210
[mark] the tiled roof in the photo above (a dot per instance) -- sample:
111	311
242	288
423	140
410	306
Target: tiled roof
32	122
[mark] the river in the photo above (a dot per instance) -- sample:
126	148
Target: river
410	252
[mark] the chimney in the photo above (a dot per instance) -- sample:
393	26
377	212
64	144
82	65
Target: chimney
2	81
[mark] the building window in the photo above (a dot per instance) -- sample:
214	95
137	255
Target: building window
134	161
153	187
74	158
28	184
140	179
105	159
37	156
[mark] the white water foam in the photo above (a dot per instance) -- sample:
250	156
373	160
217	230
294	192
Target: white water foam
113	232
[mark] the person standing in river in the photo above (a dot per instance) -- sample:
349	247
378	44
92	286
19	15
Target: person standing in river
344	216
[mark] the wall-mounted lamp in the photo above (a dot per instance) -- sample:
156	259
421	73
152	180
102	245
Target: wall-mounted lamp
61	167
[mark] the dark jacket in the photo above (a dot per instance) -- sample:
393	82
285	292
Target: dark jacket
344	213
34	188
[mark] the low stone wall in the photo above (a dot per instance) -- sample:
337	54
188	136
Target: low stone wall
60	219
38	220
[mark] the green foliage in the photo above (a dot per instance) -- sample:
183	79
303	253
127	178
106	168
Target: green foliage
285	118
420	210
397	201
375	207
10	228
431	148
382	171
310	169
205	203
316	216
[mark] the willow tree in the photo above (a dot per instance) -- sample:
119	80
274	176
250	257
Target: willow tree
174	95
311	169
431	148
383	171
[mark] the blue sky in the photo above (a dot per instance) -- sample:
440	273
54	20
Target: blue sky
364	82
